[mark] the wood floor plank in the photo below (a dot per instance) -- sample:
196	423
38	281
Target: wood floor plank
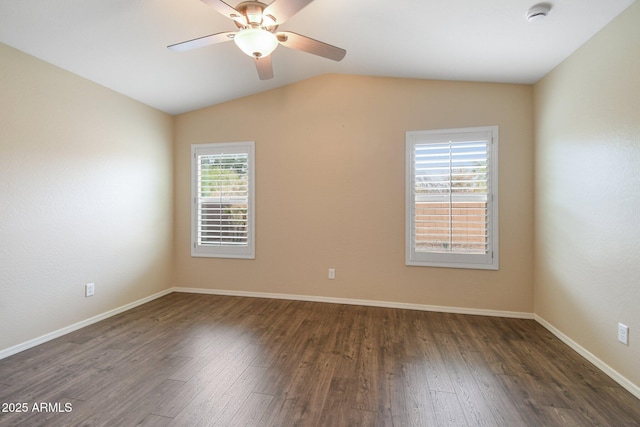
278	413
361	417
563	416
311	396
278	339
228	400
193	359
393	390
220	371
419	409
447	409
25	368
253	410
437	374
530	399
107	404
368	370
476	409
337	407
152	420
503	410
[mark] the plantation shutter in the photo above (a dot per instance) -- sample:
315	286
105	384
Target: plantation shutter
451	199
223	223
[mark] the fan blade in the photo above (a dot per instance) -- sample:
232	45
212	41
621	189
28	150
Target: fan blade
202	41
264	67
226	10
282	10
309	45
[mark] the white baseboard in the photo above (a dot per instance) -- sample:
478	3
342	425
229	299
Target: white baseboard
350	301
68	329
615	375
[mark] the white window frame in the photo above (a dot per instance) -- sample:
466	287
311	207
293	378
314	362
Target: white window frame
223	251
486	261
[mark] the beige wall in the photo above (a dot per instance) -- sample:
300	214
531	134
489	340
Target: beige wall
330	190
587	195
85	196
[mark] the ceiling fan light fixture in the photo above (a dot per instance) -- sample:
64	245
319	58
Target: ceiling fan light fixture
256	42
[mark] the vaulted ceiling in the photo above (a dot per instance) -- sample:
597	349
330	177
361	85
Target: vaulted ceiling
122	44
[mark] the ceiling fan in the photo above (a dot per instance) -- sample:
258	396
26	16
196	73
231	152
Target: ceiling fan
258	36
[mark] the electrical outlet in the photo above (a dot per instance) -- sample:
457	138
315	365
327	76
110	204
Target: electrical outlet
89	289
623	334
332	273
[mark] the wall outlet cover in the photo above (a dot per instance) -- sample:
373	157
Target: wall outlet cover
623	334
89	289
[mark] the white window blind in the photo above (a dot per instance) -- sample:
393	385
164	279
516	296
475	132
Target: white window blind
222	223
451	194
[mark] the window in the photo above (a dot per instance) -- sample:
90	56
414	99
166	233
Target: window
452	199
222	190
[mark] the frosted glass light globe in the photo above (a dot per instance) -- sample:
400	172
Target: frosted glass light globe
256	42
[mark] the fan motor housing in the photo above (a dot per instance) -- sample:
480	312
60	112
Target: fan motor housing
253	12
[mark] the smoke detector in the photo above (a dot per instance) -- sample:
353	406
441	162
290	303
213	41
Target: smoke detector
538	12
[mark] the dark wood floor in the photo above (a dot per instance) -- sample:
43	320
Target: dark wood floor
188	359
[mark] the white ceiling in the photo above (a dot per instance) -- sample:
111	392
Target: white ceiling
121	44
